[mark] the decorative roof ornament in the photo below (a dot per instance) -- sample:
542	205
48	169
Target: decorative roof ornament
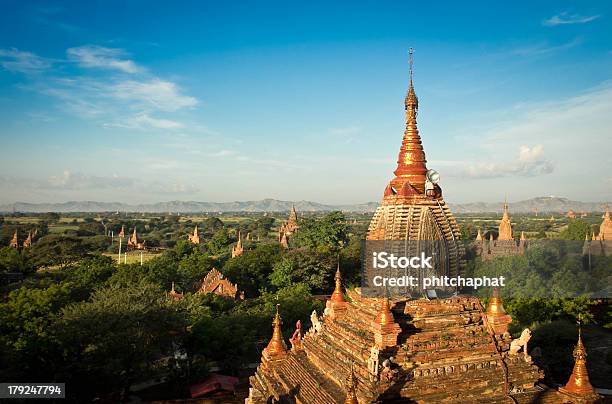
351	395
338	296
578	383
385	316
276	347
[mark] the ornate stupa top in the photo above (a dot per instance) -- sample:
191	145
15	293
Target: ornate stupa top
276	346
578	383
338	296
411	169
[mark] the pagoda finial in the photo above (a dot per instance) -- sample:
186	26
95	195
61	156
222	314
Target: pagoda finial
276	346
351	396
578	383
410	52
337	296
411	161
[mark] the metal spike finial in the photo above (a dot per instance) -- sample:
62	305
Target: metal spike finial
410	52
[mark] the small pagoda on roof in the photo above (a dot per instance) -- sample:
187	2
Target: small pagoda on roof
505	245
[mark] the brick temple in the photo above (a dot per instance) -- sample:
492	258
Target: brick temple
600	244
399	350
288	228
505	245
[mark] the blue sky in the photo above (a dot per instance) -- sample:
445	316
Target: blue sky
218	101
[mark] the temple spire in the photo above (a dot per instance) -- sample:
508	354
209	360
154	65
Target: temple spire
411	161
338	296
578	383
276	346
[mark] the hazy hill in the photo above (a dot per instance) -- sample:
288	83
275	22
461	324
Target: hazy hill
542	204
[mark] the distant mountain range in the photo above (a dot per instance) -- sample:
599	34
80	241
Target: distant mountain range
542	204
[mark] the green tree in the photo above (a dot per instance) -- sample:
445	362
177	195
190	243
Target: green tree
220	242
301	266
326	234
116	338
56	249
252	269
577	229
13	260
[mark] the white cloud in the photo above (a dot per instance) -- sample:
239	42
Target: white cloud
144	121
545	49
155	93
100	57
529	163
15	60
224	153
566	18
71	182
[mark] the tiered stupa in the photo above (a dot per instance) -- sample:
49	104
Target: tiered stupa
505	245
398	350
578	386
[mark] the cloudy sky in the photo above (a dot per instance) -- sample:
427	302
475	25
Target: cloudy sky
212	101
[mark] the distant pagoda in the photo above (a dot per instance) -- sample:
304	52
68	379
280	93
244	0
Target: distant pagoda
238	249
600	244
288	228
194	237
133	242
14	241
397	350
505	245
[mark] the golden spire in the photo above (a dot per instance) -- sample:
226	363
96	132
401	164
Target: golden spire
385	316
505	227
496	308
411	161
490	236
337	296
351	395
523	238
578	382
276	346
479	236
